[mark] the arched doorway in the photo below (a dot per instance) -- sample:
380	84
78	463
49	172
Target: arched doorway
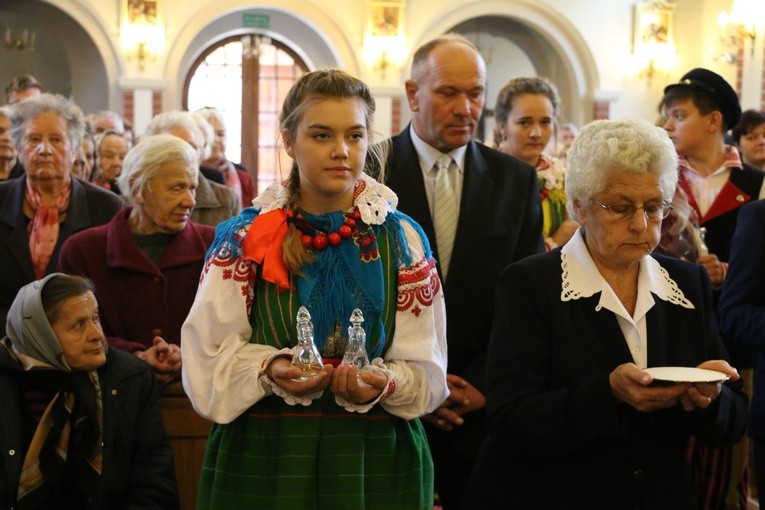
72	55
246	78
512	49
520	38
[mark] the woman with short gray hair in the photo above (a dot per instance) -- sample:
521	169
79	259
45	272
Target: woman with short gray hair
145	161
150	248
619	147
604	358
42	208
216	202
65	109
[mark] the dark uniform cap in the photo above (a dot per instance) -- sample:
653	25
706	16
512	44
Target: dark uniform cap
714	85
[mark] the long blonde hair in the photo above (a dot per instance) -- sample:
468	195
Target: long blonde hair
317	85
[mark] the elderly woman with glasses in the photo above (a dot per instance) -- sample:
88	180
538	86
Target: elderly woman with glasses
575	419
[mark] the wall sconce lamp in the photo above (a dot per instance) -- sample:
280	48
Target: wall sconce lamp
654	67
24	41
252	45
142	42
727	58
384	53
654	59
739	25
653	47
648	71
142	54
382	64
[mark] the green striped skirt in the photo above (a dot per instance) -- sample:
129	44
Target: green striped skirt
277	456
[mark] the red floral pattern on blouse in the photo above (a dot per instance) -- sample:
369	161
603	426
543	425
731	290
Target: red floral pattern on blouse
417	285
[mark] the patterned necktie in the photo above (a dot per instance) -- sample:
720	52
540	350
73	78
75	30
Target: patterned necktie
445	212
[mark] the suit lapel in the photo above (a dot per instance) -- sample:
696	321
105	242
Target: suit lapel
607	331
613	341
729	198
476	189
405	178
77	218
18	241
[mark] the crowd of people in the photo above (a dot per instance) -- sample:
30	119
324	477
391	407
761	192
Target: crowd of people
515	300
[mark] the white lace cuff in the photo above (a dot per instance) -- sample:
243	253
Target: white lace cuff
387	391
289	398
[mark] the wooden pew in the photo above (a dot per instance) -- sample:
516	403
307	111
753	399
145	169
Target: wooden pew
187	433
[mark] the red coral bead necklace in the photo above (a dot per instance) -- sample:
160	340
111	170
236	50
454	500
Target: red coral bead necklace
320	240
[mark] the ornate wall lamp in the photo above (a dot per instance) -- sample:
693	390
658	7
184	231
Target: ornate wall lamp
385	46
739	26
653	47
141	33
22	38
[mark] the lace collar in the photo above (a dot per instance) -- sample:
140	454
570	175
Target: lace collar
374	199
581	277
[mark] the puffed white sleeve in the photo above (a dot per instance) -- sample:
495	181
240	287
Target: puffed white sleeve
417	355
223	374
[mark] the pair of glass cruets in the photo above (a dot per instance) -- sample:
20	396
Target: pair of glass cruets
307	357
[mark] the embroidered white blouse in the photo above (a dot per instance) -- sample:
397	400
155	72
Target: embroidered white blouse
224	374
581	278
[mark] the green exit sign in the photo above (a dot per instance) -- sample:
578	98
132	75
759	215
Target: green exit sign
250	20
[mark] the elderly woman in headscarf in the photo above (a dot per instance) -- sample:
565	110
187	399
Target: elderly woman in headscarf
81	424
146	262
577	414
40	210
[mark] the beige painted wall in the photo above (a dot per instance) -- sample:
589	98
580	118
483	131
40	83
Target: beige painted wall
592	38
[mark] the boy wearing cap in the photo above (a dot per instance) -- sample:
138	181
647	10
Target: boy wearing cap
699	110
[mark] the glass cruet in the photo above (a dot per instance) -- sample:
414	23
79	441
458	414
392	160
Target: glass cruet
356	352
307	357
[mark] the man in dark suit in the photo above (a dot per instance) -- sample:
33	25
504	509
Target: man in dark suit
498	221
742	314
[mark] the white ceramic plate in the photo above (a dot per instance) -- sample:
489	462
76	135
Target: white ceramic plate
686	374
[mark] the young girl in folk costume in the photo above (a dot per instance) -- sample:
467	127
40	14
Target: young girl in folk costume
525	114
328	238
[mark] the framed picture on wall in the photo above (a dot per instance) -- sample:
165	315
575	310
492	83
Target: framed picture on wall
140	12
653	23
385	18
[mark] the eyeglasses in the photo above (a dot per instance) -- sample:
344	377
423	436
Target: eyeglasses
652	212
